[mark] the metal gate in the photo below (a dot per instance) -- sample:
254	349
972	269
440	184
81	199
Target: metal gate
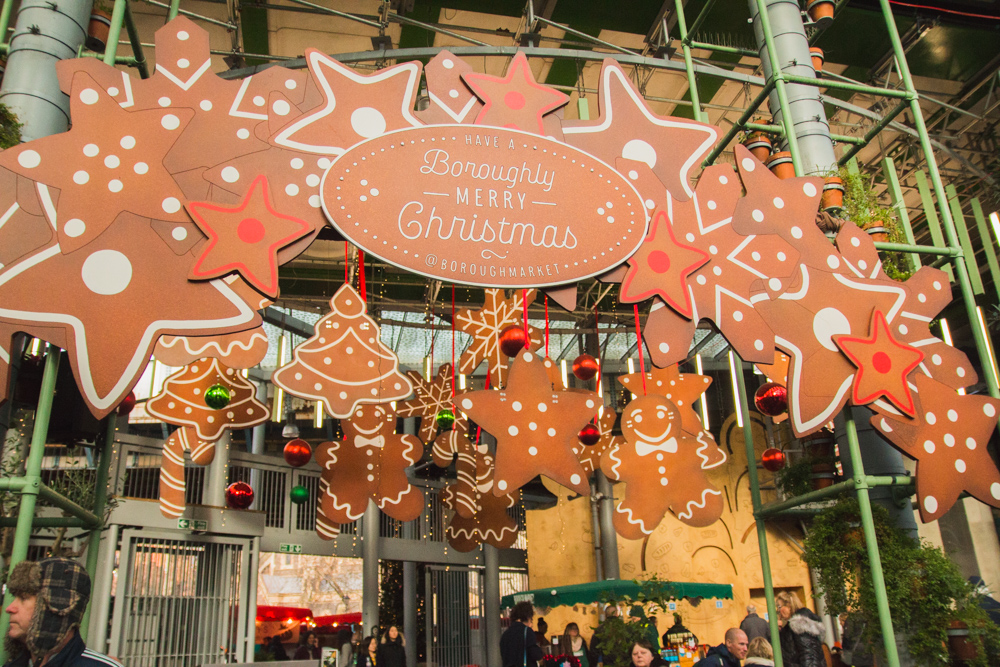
455	629
181	602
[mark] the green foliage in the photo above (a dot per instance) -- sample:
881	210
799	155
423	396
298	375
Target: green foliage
10	127
639	621
861	206
793	479
925	589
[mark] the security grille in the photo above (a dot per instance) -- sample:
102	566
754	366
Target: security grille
181	602
455	628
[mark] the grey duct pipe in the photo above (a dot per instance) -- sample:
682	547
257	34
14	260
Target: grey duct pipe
369	568
491	604
45	33
805	106
217	475
609	539
410	598
595	525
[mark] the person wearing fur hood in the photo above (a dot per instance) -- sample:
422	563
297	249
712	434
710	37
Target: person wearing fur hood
802	633
50	597
759	653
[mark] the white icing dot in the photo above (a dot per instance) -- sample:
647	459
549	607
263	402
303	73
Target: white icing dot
243	133
713	250
755	255
689	237
183	63
862	264
291	84
206	105
179	233
170	122
663	347
466	403
502	484
748	164
291	189
833	261
315	201
960	372
533	450
780	256
281	107
855	241
453	94
903	329
827	323
297	163
633	174
937	284
323	163
970	443
809	189
512	430
90	150
171	205
163	101
368	122
701	279
527	356
89	96
796	232
74	227
106	272
989	410
640	151
590	403
29	159
258	101
140	168
551	432
758	344
312	180
182	35
112	91
779	202
758	215
542	407
447	63
230	174
930	418
738	316
127	142
663	481
112	161
949	439
931	504
711	205
574	478
922	298
774	284
115	185
81	177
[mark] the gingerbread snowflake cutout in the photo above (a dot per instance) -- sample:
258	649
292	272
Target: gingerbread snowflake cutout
485	326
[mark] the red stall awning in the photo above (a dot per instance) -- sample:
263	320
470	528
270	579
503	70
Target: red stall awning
265	614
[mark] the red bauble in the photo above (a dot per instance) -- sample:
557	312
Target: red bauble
771	399
585	367
589	434
127	404
297	453
773	459
239	495
513	340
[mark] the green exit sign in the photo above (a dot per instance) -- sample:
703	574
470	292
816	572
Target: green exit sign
290	548
192	524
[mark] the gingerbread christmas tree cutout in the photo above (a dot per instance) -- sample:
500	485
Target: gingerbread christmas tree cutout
344	364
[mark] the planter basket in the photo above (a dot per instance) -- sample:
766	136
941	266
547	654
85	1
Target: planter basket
817	58
781	165
759	145
877	231
820	12
959	646
833	194
98	29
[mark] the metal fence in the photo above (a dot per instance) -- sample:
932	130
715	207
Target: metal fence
455	631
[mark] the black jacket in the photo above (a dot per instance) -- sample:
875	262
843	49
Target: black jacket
802	640
391	654
306	652
519	647
362	659
718	656
74	654
755	626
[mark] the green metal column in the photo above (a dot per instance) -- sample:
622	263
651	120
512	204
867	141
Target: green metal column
765	557
688	63
114	32
175	6
896	192
930	211
32	477
987	241
100	501
963	236
871	541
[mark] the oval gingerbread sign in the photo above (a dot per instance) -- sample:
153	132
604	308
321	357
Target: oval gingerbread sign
484	206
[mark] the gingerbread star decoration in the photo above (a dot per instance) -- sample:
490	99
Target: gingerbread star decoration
26	229
490	523
590	457
431	398
114	299
110	161
671	147
355	107
451	101
516	100
243	349
948	438
173	500
485	326
183	400
245	239
883	365
661	267
536	427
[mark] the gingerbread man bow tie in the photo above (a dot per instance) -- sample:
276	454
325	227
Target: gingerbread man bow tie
362	441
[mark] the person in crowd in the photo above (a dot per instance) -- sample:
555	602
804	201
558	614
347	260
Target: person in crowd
677	633
759	653
392	649
855	651
50	597
345	650
518	644
802	633
571	643
276	648
644	655
542	635
729	653
753	625
368	653
309	648
596	648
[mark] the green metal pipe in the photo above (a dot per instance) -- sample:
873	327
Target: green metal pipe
951	234
14	484
871	541
778	76
175	7
899	204
425	26
32	477
688	63
739	124
114	32
130	61
65	504
5	20
133	37
100	502
878	127
833	490
343	15
47	522
844	85
777	129
723	49
765	557
571	31
702	15
925	249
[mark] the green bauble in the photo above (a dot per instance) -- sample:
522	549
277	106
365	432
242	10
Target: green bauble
299	494
217	397
445	419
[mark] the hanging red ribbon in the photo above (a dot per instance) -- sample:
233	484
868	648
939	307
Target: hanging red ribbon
546	325
600	354
524	317
638	341
361	275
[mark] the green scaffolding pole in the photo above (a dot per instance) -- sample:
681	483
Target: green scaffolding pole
114	32
688	63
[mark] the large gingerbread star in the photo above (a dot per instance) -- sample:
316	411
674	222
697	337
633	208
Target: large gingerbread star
516	101
485	326
883	365
115	298
661	266
245	239
110	161
355	107
451	101
626	127
948	438
536	427
431	398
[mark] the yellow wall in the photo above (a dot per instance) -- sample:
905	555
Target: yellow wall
561	551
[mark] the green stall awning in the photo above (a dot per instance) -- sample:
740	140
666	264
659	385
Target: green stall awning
597	591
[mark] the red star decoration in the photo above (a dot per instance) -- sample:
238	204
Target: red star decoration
516	101
883	365
245	239
948	438
536	427
661	266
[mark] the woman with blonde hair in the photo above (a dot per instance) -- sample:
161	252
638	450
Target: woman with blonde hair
759	653
802	633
